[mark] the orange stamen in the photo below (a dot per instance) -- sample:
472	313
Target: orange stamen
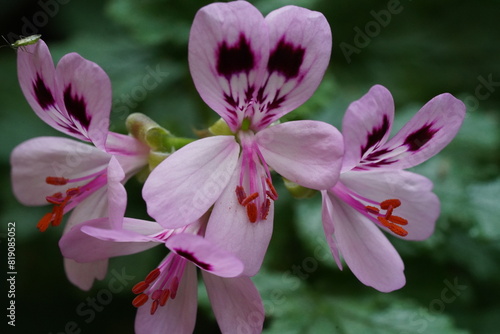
264	210
164	297
398	230
140	287
249	199
272	189
174	287
56	181
140	300
43	223
372	209
152	276
154	307
393	227
390	202
252	212
58	212
398	220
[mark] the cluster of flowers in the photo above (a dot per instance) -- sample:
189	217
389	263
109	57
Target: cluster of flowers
212	199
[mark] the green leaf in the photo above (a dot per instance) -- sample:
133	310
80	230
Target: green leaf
306	310
485	201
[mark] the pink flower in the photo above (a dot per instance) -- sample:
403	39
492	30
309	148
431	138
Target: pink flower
251	70
167	297
74	98
374	193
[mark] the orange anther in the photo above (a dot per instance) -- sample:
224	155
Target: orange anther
140	300
384	221
372	209
252	212
398	220
398	230
43	223
140	287
272	189
393	227
174	287
264	210
249	199
56	181
153	275
154	307
390	202
58	212
164	297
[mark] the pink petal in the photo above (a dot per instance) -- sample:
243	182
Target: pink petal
308	153
36	73
367	252
228	50
230	229
205	255
83	274
428	132
236	303
120	144
419	205
329	227
93	240
177	315
300	47
38	158
367	125
117	195
184	186
84	98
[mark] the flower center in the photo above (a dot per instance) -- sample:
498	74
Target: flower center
72	197
255	190
373	209
160	284
387	219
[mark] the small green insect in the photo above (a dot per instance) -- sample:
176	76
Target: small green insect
24	41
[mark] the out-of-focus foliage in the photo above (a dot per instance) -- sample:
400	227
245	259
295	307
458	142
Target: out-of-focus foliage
418	51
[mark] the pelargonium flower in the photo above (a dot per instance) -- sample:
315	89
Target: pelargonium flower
376	194
74	98
251	70
167	297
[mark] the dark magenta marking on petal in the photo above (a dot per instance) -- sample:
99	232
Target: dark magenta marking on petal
420	137
375	155
76	107
189	256
230	100
286	59
276	102
235	59
42	93
376	135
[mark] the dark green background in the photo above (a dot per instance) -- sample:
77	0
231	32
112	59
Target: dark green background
426	49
